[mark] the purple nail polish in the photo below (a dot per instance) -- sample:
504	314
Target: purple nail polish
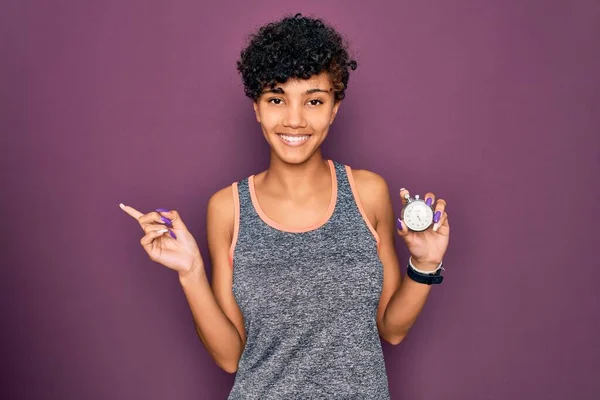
172	234
436	216
166	220
162	210
399	224
429	201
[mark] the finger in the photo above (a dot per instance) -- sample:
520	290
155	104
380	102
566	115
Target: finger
445	225
440	207
154	218
174	216
401	227
403	193
443	222
429	198
131	211
149	237
153	227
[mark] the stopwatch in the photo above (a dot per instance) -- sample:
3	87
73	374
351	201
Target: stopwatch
416	214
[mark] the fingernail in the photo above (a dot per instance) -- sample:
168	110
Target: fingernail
399	224
122	206
162	230
166	220
436	216
436	227
172	235
429	201
162	210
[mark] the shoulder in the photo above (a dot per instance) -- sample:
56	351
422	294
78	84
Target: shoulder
369	185
223	200
368	178
372	189
220	213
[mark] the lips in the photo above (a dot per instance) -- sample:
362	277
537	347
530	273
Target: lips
293	134
293	140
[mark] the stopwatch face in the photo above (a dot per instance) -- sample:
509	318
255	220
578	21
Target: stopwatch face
417	215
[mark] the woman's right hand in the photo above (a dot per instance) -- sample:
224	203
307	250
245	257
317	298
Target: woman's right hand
168	241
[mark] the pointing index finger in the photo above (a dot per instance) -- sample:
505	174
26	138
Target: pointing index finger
131	211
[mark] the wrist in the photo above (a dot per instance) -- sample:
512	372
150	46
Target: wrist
426	266
195	271
427	273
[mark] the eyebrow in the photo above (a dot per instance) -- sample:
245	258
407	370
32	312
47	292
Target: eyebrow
279	90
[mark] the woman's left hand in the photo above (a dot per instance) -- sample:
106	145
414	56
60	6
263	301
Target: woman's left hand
427	247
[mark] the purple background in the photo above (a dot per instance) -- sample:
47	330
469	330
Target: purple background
492	105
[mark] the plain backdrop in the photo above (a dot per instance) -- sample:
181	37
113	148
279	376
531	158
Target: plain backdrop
493	105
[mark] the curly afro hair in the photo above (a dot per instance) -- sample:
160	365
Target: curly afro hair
295	47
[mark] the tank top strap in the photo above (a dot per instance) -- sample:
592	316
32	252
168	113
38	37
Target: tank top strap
247	212
243	192
344	195
348	202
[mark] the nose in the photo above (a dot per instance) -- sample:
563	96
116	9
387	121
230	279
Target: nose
294	117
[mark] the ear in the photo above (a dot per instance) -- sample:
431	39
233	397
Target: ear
336	107
255	104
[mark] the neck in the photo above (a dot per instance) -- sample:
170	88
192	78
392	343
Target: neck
298	178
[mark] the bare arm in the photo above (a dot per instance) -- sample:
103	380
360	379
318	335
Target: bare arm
401	300
219	322
406	298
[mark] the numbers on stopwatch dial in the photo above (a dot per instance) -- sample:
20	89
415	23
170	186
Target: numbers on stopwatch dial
418	216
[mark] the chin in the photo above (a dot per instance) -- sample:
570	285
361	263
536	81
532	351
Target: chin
293	159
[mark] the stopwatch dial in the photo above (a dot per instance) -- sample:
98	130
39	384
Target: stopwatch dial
418	216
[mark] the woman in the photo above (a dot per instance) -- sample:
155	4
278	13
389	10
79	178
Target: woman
305	274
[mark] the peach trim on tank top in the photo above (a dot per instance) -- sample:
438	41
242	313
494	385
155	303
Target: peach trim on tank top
236	220
359	204
284	228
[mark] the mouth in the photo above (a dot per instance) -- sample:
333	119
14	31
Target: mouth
293	140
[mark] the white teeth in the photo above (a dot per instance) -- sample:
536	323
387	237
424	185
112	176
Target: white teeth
294	139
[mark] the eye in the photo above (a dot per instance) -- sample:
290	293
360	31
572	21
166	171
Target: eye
275	101
312	102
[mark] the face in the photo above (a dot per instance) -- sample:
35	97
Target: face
295	116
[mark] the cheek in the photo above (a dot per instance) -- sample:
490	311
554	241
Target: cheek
322	121
269	118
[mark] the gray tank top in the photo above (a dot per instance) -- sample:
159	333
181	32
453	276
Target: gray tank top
309	299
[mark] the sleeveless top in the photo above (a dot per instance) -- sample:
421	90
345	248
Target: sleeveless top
309	300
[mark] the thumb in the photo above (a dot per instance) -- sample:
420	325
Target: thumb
174	216
401	228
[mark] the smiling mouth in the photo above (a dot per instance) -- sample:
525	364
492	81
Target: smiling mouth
293	140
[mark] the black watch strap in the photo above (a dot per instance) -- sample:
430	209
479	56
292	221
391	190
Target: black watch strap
428	279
